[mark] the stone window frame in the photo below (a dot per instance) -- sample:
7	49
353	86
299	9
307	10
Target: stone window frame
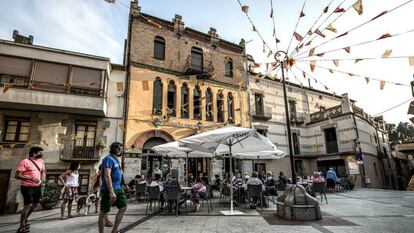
228	67
157	99
220	107
231	118
172	100
200	104
185	102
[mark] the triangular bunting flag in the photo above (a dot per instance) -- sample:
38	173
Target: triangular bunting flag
347	49
301	14
12	145
343	34
326	88
367	79
312	65
193	79
411	60
264	46
245	9
241	83
271	13
381	14
307	44
311	52
46	143
331	28
331	70
267	67
339	10
351	75
320	54
277	40
336	62
387	53
358	60
325	10
387	35
298	36
274	64
358	7
317	31
297	49
304	74
256	65
382	84
254	28
270	53
310	32
6	87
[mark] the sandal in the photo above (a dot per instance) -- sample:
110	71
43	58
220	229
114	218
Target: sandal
23	229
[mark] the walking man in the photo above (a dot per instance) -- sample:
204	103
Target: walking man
112	192
31	173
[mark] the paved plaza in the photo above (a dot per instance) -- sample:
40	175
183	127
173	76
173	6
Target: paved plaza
363	210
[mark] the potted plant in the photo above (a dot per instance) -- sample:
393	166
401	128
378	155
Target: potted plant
50	197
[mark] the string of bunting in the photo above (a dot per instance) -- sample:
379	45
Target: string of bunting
295	34
245	9
316	81
367	78
347	49
277	41
356	27
318	31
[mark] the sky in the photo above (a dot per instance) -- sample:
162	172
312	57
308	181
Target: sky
100	28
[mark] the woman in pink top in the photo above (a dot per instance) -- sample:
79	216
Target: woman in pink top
71	187
199	190
31	173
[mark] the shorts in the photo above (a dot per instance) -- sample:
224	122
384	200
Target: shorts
106	202
70	193
330	183
31	195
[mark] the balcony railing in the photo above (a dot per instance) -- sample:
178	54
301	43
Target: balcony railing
16	81
79	149
331	147
297	118
197	66
326	114
263	114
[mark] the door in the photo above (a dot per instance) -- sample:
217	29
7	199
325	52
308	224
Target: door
4	182
330	139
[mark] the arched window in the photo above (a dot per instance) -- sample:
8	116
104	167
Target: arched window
171	99
157	97
230	108
220	107
184	101
228	67
197	59
197	103
209	105
159	48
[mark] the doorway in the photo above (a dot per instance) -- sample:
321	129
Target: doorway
198	166
150	159
4	182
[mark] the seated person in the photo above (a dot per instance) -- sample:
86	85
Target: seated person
254	180
270	183
204	178
173	182
238	190
157	182
191	178
134	181
199	190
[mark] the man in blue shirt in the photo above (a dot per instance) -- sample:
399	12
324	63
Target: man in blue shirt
331	178
112	192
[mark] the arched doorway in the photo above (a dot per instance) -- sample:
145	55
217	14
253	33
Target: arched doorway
149	158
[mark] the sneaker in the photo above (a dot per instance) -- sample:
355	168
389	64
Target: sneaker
198	207
109	224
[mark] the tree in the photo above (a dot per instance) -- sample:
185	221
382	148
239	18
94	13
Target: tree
403	131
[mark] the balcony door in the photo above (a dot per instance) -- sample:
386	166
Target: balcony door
85	140
197	59
331	142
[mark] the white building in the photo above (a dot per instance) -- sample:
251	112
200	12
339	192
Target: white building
70	104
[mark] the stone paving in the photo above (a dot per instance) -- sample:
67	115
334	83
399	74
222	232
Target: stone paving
364	210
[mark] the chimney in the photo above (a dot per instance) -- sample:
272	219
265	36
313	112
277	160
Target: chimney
22	39
178	24
135	8
214	36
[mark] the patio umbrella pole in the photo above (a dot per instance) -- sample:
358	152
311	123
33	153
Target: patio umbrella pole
231	177
186	168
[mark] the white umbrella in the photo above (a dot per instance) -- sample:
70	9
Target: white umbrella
267	154
229	140
173	149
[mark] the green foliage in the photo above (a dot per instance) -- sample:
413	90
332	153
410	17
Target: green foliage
404	131
51	193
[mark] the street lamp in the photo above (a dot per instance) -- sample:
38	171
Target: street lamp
281	57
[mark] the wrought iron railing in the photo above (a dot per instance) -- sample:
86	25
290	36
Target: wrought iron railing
326	114
197	66
79	149
264	113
